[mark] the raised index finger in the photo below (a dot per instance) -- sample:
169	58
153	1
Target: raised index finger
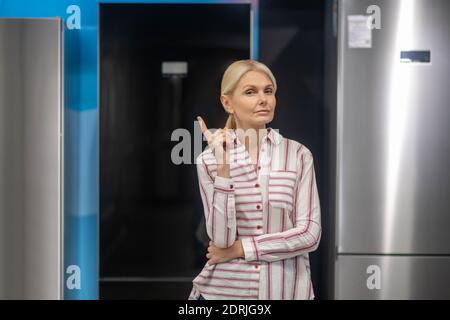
204	128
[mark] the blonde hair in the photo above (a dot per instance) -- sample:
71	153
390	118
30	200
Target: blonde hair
234	73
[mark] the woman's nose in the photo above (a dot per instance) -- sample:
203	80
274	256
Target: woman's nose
262	97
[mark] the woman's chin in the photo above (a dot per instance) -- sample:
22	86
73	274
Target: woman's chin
260	121
263	120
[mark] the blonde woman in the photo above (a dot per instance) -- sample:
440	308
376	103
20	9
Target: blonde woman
259	195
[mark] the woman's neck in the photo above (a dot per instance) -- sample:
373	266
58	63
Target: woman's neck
250	132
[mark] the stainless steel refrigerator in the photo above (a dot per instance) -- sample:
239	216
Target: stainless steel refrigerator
393	150
31	159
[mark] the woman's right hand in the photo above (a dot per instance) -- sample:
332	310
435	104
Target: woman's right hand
218	142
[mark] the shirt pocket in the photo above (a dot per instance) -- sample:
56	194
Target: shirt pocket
281	189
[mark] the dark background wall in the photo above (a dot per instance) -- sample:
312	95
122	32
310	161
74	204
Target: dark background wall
151	239
139	258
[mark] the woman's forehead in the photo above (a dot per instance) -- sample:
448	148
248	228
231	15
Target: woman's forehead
255	79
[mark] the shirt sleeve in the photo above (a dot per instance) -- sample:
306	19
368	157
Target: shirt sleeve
218	199
305	235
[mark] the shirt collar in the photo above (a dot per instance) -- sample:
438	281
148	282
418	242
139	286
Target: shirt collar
273	135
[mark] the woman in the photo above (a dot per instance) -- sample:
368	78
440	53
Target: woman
259	195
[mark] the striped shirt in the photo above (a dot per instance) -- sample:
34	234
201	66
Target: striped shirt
273	208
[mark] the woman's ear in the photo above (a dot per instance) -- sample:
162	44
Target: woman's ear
226	104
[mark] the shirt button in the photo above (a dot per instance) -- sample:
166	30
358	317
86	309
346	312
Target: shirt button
258	227
257	185
259	167
258	207
256	267
231	186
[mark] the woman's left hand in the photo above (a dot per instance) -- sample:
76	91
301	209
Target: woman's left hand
220	255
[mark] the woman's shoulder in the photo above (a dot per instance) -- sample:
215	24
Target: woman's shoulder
301	149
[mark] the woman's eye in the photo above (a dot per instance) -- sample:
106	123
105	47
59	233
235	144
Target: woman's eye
269	91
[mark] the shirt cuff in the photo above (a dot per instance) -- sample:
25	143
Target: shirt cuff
223	184
250	249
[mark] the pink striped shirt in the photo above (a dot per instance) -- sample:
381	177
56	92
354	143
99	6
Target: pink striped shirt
273	209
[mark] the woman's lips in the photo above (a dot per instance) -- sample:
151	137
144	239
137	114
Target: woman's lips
262	112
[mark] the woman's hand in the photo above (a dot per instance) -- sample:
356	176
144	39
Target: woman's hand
218	142
220	255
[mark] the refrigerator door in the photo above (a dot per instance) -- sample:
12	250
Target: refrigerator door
393	128
392	277
31	159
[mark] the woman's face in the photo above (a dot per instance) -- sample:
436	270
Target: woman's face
253	101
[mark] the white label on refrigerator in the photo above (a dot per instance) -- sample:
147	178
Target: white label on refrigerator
359	31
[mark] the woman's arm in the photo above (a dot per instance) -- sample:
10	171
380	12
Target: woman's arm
217	195
305	236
